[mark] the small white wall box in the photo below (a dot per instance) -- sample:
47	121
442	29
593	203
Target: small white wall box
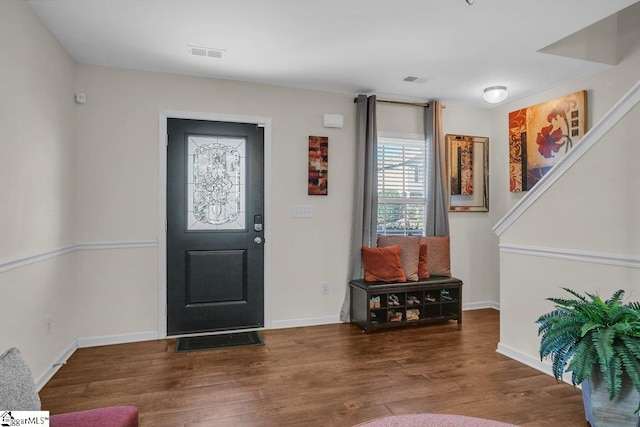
80	98
333	120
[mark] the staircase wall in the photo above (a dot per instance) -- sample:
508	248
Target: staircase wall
583	231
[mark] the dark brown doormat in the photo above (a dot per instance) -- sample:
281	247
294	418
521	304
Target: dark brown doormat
216	342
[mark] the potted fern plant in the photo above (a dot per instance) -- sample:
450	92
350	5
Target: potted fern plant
599	343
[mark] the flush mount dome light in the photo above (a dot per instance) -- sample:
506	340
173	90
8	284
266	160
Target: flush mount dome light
495	94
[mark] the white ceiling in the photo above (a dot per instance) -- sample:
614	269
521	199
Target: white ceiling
356	46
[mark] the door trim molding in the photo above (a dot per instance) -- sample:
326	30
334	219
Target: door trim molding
264	122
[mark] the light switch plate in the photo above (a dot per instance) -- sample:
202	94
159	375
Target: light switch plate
302	211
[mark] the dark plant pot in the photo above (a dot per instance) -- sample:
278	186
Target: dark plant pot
602	412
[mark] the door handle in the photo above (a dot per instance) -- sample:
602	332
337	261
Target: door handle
257	240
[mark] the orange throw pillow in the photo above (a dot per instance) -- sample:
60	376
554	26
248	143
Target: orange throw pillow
382	264
438	255
423	262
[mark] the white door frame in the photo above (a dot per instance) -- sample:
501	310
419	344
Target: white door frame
162	202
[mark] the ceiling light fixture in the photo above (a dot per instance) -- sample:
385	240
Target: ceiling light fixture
495	94
469	2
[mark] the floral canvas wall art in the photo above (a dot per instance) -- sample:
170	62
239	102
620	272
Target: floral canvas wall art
541	135
318	165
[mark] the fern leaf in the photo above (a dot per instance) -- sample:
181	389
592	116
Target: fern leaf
584	359
613	377
634	330
559	333
634	306
575	294
631	364
617	295
603	342
632	345
588	327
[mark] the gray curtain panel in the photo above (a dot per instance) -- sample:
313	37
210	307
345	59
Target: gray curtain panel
365	195
437	213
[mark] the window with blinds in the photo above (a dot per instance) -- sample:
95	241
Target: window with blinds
401	186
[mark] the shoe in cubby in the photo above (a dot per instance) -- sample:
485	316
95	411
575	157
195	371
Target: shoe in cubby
444	295
413	314
412	300
394	316
393	300
374	302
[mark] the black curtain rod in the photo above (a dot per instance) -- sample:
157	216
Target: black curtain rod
388	101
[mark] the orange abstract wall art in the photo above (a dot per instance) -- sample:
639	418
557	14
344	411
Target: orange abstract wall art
541	135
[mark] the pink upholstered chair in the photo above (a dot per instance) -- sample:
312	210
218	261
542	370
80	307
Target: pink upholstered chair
116	416
18	393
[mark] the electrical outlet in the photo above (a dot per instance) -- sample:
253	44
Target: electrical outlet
324	287
47	324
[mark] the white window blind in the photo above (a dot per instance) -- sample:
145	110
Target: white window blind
401	186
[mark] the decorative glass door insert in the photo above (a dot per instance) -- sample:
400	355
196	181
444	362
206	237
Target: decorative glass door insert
216	183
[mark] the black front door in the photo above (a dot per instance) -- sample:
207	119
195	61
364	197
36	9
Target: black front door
215	251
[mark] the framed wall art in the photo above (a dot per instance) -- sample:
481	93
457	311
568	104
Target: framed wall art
318	165
467	160
541	135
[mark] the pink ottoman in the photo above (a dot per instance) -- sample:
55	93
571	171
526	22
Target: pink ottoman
433	420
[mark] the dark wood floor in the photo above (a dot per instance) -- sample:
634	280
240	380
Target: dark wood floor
330	375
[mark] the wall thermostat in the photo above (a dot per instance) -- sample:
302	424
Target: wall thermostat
81	98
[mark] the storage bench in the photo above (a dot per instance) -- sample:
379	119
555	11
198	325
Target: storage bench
376	305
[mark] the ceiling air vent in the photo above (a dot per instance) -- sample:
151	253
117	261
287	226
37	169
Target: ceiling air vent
414	79
205	51
198	51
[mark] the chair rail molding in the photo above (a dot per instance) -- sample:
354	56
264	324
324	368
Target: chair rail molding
618	260
608	121
24	260
97	246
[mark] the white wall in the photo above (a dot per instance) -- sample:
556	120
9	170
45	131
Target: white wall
591	212
37	123
118	193
474	247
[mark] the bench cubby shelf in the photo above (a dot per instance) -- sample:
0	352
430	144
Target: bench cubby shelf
376	305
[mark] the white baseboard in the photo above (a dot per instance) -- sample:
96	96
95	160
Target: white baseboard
44	377
533	362
328	320
117	339
309	321
480	305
